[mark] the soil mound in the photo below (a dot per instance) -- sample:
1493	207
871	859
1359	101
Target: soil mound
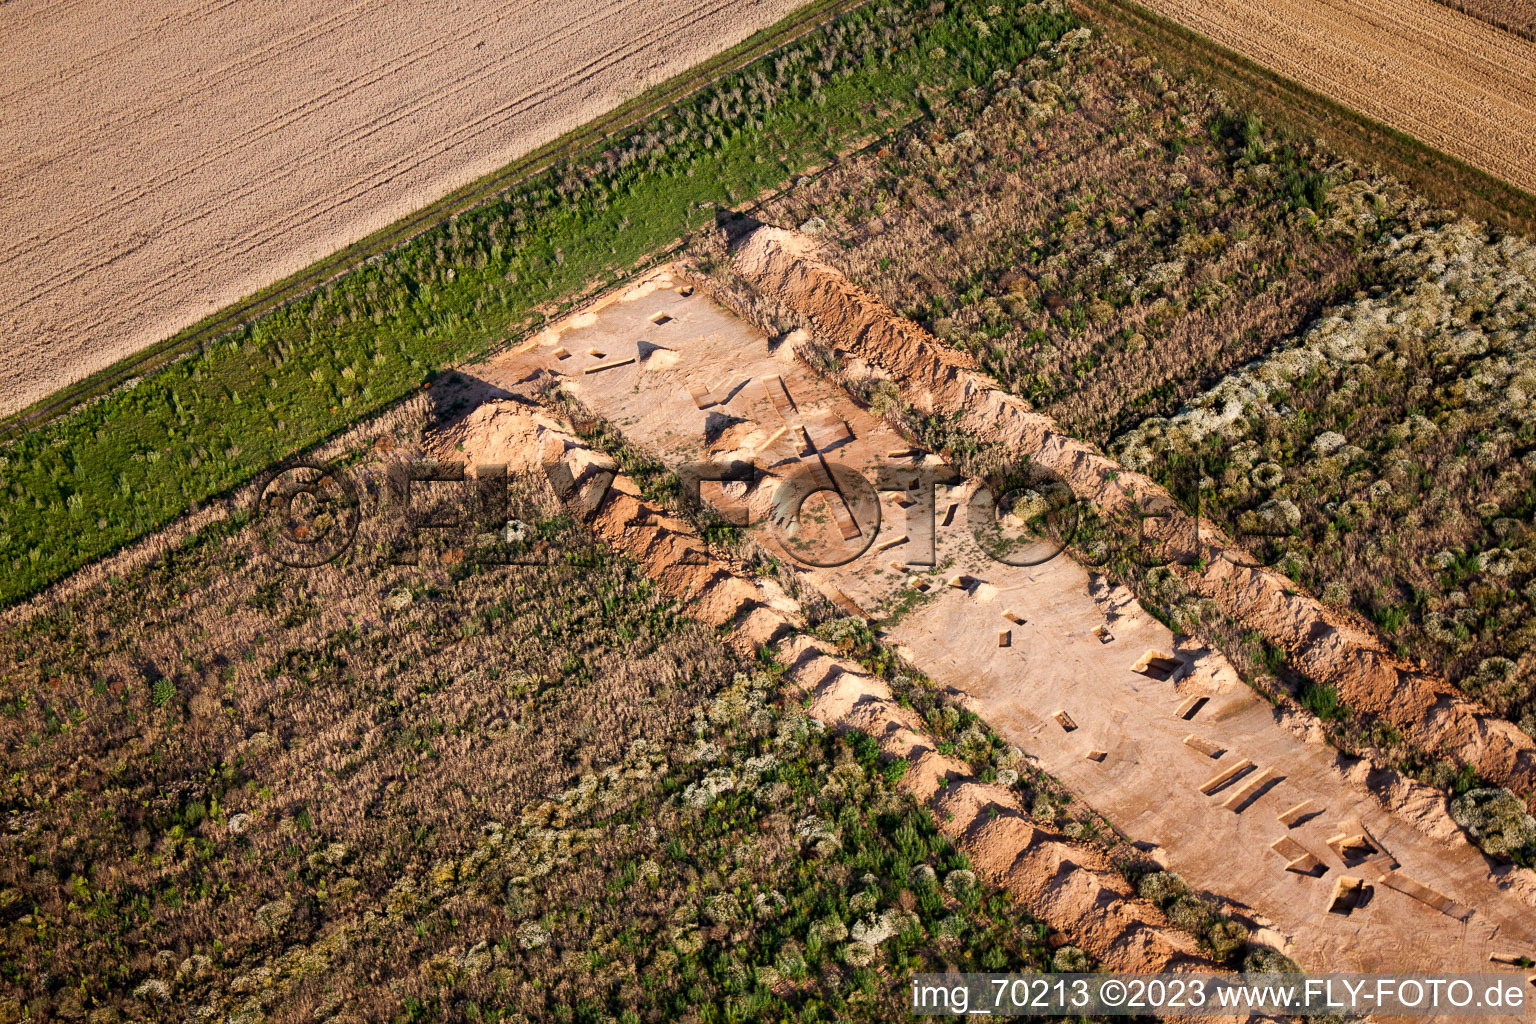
868	340
1070	886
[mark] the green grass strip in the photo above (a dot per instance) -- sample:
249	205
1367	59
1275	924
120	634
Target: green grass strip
569	146
83	485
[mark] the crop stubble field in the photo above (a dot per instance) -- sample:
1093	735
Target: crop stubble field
1434	73
155	169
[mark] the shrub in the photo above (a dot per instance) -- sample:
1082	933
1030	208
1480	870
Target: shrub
1323	701
1497	821
1071	960
1263	960
161	692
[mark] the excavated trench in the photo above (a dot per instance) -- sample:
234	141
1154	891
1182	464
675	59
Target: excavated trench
1155	732
868	338
1067	885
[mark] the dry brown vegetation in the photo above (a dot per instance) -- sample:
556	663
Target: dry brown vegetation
1097	237
1385	459
1326	658
1104	311
448	790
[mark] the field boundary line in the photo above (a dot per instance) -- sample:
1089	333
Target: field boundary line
305	282
1488	18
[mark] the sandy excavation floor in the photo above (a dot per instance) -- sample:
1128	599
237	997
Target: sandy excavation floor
160	161
1442	76
1181	755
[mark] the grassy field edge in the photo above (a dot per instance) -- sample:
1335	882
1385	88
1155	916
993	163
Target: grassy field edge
569	146
83	485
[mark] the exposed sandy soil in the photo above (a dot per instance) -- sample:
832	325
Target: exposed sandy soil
1335	650
1070	886
158	162
1439	75
664	353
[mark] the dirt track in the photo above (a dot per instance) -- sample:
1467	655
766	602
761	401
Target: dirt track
702	384
1443	77
160	162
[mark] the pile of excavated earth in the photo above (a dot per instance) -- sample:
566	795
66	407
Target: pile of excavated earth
1336	861
1060	882
1324	644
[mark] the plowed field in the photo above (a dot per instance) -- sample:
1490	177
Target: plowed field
158	162
1441	76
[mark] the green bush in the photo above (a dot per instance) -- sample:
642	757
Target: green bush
1323	701
1497	821
161	692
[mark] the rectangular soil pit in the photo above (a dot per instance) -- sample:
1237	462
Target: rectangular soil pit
609	366
1191	707
827	431
1204	746
1005	638
700	395
1256	786
1158	665
778	394
1065	721
1421	892
1348	893
1352	844
1298	858
1303	811
1221	779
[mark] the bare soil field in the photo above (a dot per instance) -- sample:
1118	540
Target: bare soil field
158	165
1441	76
